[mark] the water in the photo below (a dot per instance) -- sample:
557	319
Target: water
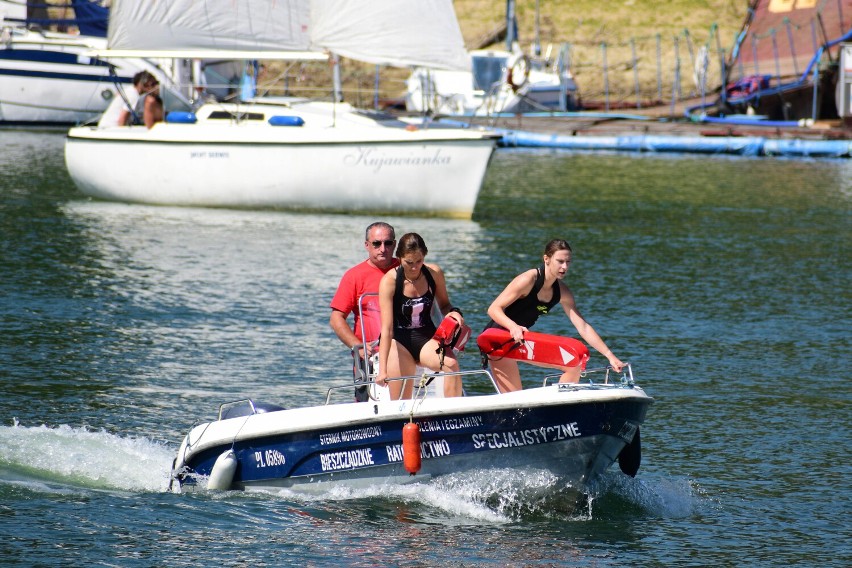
725	281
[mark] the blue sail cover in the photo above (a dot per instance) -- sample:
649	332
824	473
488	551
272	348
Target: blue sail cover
89	17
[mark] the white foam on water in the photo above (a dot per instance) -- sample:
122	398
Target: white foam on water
457	508
479	496
41	457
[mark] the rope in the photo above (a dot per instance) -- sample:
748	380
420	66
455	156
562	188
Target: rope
417	396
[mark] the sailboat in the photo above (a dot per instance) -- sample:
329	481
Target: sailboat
286	152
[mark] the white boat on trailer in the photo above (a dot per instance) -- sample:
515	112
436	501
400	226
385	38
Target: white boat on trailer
286	153
496	81
576	431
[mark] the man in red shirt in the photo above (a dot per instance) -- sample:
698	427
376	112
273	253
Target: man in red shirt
363	278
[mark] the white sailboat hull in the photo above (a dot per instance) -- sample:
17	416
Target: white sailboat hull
53	97
337	161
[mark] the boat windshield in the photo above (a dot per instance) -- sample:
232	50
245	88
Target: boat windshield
487	70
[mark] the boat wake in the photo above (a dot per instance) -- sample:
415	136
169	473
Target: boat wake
64	459
513	495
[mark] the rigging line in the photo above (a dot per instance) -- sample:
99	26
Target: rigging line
240	429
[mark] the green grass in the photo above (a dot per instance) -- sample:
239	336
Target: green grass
593	21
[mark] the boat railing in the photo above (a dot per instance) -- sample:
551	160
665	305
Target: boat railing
598	377
421	380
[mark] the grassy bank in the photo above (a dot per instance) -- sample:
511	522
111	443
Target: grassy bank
615	45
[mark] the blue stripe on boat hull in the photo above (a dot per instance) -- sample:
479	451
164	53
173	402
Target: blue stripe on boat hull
50	56
52	75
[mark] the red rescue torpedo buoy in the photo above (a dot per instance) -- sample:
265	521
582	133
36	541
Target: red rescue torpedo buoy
411	447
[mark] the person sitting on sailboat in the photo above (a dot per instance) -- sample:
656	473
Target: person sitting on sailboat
149	107
406	297
531	294
120	109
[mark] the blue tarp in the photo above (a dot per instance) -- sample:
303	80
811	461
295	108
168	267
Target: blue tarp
808	148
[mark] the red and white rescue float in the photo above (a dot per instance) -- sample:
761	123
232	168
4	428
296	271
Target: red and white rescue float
536	348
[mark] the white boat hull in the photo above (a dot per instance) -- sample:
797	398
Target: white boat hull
480	93
339	165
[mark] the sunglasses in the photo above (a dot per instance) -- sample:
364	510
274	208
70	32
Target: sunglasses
377	244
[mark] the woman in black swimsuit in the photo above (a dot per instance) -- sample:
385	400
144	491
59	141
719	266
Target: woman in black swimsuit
406	298
531	294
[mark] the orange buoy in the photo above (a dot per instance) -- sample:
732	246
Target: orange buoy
411	447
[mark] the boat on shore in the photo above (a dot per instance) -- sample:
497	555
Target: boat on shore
574	431
291	153
496	81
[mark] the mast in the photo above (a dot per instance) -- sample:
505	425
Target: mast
511	25
537	42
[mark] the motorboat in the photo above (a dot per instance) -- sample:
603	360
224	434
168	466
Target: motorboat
292	153
574	431
497	82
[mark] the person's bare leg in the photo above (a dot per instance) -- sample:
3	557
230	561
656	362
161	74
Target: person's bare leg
506	374
571	375
432	360
452	383
400	364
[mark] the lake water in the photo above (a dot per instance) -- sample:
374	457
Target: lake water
725	281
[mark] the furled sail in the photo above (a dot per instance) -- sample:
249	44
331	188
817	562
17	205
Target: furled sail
394	32
244	25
